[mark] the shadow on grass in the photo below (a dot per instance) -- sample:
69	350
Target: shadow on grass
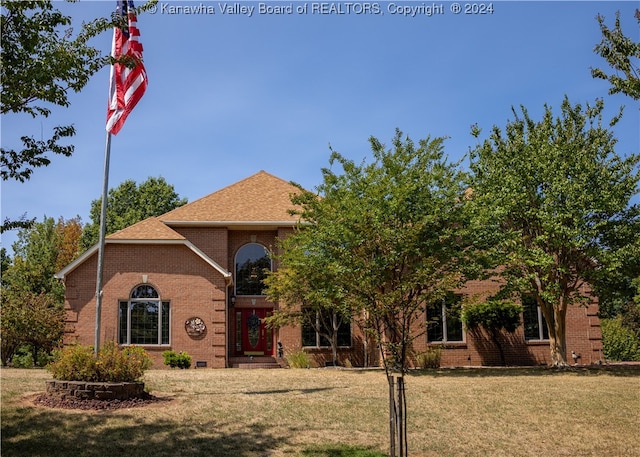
337	450
37	432
288	391
592	370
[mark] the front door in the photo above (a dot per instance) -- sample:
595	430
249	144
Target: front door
256	338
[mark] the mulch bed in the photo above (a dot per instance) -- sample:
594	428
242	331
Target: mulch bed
95	405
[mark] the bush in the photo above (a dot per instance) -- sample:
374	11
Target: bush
299	359
175	360
429	358
78	363
620	343
23	357
126	365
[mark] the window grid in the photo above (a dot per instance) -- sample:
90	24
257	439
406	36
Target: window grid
313	339
535	325
443	321
144	319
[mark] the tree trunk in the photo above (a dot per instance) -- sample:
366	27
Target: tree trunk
334	339
397	417
557	336
558	344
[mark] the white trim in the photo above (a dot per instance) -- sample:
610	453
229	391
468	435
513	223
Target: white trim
73	265
230	223
208	259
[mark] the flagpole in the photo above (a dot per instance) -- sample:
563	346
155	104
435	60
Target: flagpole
103	229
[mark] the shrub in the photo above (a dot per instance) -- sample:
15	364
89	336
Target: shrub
78	363
299	359
429	358
619	342
175	360
74	363
126	365
22	358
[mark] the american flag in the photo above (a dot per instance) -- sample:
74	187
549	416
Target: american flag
127	85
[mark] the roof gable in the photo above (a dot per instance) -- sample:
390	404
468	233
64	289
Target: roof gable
261	197
148	229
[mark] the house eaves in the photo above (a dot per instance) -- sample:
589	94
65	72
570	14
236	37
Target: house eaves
234	225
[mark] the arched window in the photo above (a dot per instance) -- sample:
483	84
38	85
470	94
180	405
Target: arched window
144	318
251	262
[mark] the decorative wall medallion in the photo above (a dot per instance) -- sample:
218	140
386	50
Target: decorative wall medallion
195	327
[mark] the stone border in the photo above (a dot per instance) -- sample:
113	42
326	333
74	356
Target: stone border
64	390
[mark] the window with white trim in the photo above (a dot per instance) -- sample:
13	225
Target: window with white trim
323	320
144	318
443	320
535	325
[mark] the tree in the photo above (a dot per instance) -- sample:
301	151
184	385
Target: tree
494	317
622	54
32	306
307	289
391	236
547	197
130	203
30	318
39	253
40	64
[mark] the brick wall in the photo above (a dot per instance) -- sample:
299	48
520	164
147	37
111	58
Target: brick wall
195	289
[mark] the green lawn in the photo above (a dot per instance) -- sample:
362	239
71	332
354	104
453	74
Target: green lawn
329	412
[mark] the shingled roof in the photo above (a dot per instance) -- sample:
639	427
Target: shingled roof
257	199
148	229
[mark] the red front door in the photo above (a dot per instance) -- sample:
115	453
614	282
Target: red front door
256	337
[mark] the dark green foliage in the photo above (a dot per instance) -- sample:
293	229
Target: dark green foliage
492	315
130	203
32	319
541	212
41	64
180	360
23	358
622	54
620	342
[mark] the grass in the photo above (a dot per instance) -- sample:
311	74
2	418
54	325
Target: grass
338	413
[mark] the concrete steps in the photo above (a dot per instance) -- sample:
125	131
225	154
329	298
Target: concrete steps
253	362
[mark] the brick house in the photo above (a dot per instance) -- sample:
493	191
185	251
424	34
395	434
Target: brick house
190	280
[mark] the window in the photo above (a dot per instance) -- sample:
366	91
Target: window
443	320
535	326
144	318
311	338
252	260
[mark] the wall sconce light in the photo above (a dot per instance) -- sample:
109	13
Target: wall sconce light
233	300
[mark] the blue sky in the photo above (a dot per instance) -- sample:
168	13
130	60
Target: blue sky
230	95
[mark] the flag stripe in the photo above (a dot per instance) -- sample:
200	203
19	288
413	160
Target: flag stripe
127	85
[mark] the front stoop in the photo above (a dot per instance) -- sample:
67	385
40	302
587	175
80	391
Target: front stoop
255	362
